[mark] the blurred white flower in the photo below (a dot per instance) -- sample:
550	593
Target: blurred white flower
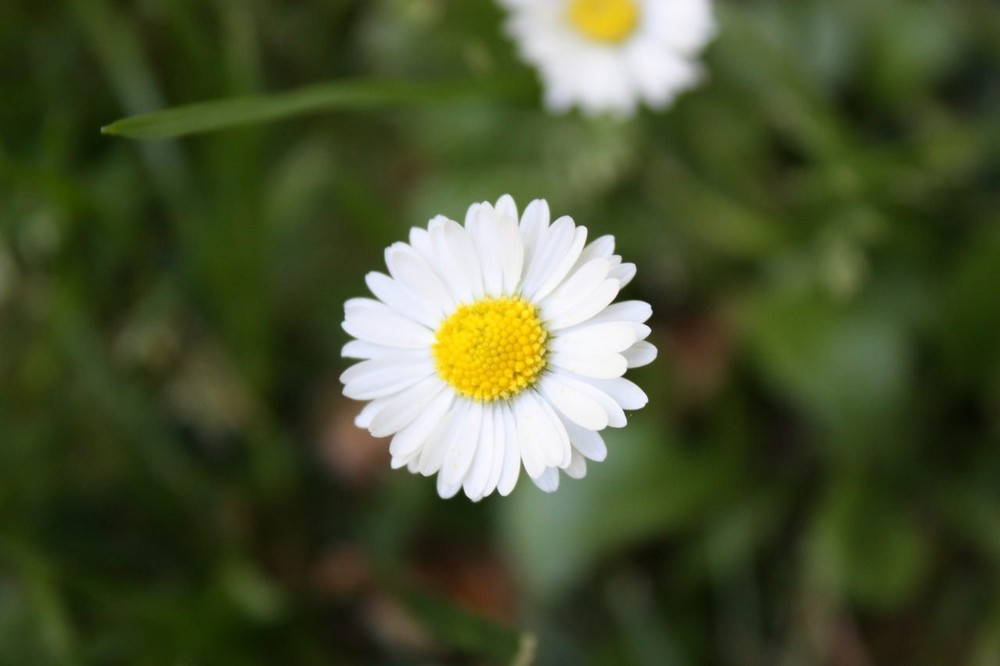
606	56
494	344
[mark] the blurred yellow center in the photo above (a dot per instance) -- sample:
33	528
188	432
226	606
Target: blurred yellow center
604	20
491	350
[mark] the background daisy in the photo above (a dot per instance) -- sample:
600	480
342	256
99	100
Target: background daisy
496	344
607	56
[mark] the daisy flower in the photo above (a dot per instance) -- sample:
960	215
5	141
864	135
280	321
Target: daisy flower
496	344
606	56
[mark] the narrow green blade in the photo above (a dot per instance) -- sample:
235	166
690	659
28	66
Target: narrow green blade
347	94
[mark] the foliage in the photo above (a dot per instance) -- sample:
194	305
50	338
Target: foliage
817	228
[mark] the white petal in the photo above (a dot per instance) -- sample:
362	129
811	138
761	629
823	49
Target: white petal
486	239
577	467
541	430
433	452
446	265
404	461
401	409
564	443
499	450
408	441
680	27
603	365
470	216
373	321
640	354
591	304
551	245
623	273
589	443
634	311
457	243
557	254
530	454
397	298
463	448
542	444
447	490
575	289
575	400
641	331
511	251
616	415
420	239
511	454
588	386
364	350
548	480
414	273
506	208
437	223
534	223
545	245
381	377
478	475
623	391
659	76
600	248
367	413
608	337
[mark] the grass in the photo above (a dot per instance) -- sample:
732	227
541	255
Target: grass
813	481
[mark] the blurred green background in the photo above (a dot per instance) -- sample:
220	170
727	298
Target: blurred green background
816	480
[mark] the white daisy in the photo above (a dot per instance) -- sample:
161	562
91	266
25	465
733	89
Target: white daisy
496	344
608	55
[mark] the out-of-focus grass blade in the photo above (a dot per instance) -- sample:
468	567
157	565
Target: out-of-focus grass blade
470	633
347	94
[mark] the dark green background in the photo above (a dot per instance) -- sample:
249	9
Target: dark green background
816	480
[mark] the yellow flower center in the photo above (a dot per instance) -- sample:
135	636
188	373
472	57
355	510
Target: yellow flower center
492	349
604	20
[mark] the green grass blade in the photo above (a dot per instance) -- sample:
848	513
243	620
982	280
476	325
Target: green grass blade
347	94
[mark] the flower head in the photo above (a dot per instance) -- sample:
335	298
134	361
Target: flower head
606	56
496	344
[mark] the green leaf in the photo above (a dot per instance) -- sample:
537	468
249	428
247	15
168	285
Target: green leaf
649	485
346	94
848	364
970	316
867	548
